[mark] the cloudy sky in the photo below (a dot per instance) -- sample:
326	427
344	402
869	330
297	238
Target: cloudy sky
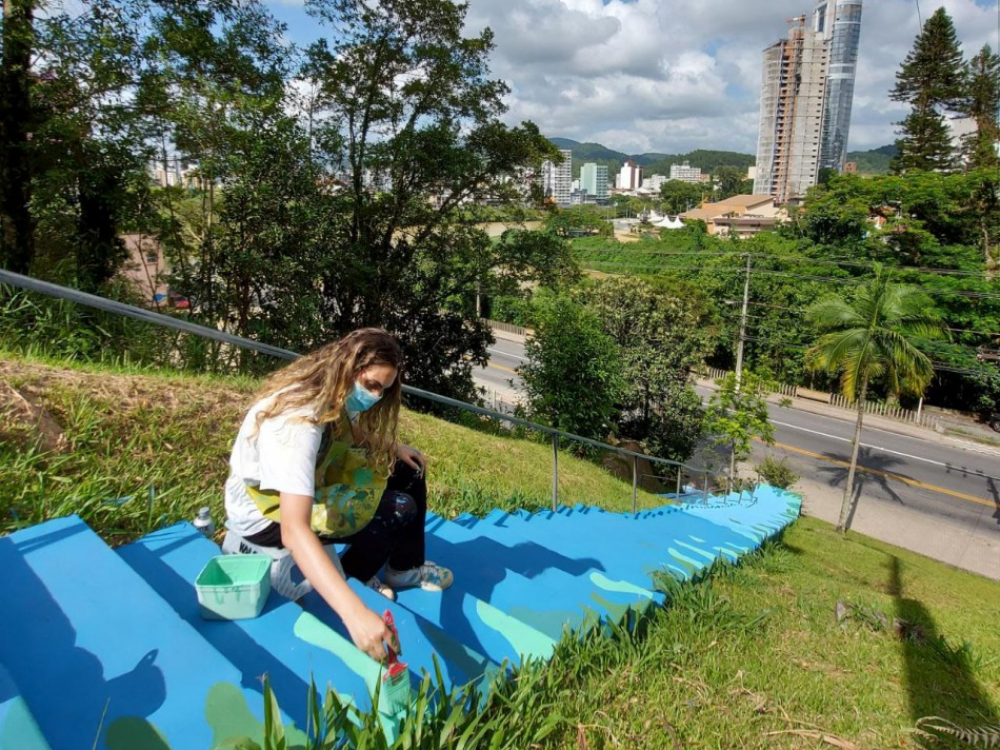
676	75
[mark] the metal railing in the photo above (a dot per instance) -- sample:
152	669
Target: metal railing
155	318
498	325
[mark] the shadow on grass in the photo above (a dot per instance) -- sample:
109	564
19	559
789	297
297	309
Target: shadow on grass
939	676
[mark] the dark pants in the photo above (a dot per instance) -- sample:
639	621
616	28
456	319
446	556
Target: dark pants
395	535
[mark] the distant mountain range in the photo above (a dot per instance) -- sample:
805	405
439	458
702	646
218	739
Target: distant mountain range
875	161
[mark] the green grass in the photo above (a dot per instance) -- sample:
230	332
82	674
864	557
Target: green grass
752	657
146	448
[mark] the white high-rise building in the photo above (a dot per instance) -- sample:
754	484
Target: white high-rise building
805	100
630	176
653	182
557	179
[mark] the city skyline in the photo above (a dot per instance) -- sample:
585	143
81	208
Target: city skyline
669	76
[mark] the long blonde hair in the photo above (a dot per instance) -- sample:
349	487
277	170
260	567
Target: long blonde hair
322	380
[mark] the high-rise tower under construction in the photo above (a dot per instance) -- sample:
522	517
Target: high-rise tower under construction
805	101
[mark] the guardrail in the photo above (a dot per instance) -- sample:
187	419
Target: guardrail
835	399
155	318
496	325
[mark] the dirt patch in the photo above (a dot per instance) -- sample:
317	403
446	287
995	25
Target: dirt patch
621	467
34	398
27	424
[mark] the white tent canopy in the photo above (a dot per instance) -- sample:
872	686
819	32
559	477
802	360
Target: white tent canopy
670	222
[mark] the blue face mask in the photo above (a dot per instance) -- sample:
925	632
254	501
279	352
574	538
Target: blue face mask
361	399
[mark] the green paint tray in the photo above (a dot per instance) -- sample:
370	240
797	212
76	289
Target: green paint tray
234	587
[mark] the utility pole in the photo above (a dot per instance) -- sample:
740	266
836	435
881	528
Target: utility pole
743	326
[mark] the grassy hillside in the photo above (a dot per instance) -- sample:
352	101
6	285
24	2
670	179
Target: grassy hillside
753	657
141	449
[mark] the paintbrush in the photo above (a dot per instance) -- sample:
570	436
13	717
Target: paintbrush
394	697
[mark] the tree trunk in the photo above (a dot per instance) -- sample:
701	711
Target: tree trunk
17	248
845	507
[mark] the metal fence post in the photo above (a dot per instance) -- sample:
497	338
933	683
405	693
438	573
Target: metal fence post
635	482
678	481
704	493
555	471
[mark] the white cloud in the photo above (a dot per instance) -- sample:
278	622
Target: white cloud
671	75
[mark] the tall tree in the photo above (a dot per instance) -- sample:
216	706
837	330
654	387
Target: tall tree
873	337
662	336
981	103
573	376
729	181
16	122
931	81
679	197
89	143
408	117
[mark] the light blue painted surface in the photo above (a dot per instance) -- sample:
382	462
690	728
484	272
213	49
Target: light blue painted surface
169	560
99	629
650	541
421	640
474	621
82	631
527	579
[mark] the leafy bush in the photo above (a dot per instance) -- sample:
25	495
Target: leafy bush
776	473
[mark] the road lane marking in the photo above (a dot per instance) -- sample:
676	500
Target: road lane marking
507	354
942	464
501	367
905	480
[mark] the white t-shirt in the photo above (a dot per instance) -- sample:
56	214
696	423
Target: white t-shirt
281	456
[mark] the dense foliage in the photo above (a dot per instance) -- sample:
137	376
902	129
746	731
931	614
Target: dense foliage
322	189
936	231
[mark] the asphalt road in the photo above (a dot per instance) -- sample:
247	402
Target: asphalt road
933	475
927	475
505	357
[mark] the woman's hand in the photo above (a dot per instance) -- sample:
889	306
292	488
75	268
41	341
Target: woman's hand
411	457
369	632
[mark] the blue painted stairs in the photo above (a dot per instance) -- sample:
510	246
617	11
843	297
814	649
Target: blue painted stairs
108	646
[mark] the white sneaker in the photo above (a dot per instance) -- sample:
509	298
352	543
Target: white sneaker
376	585
429	577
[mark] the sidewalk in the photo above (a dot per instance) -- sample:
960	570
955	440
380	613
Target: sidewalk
936	538
875	422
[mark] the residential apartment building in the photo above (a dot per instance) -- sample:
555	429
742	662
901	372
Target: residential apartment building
630	176
653	182
840	20
594	180
685	172
557	179
805	103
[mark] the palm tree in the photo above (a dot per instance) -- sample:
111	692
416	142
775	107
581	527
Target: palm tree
872	337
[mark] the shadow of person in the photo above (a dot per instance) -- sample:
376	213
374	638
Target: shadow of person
40	646
938	676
